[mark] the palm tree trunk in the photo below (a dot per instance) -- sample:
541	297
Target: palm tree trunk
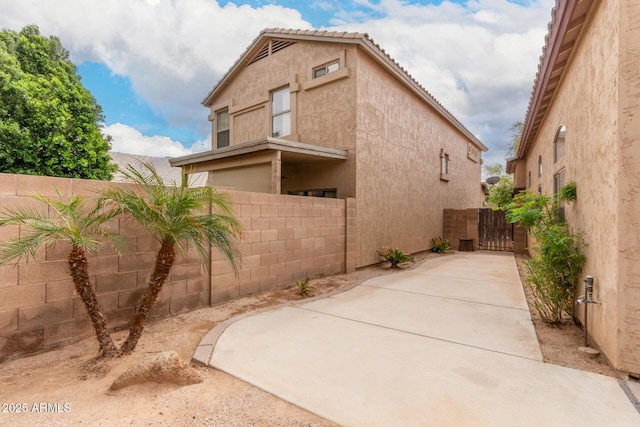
164	261
79	272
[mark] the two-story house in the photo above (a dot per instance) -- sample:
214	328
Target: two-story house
583	125
329	114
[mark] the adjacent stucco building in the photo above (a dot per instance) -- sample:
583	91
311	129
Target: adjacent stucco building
332	115
583	125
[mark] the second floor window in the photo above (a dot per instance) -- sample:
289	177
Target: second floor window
281	112
326	69
222	129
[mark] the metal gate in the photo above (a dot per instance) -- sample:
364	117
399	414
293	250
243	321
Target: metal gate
494	232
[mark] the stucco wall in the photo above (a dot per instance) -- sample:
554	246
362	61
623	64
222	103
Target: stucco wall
597	103
629	187
400	195
318	116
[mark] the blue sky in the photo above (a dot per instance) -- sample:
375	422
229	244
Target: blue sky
149	63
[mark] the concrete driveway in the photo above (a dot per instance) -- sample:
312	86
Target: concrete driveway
448	343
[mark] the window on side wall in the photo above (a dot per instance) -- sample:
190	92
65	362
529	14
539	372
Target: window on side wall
281	112
558	183
326	69
539	166
529	180
222	128
444	165
558	144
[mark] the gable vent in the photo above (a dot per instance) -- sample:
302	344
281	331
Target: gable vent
279	45
264	52
270	48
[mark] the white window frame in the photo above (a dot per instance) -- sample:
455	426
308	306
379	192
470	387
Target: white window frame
281	112
325	69
222	130
445	160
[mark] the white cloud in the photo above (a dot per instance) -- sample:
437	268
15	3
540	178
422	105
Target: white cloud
478	59
174	51
126	139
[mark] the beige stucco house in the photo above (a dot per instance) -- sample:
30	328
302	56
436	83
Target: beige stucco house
583	125
329	114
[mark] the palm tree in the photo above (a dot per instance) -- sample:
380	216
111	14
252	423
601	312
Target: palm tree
82	225
176	216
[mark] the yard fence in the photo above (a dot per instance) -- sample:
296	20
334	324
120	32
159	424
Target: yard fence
285	238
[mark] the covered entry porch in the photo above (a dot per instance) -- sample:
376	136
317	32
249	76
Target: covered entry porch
275	166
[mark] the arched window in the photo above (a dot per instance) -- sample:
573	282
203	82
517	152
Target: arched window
558	144
539	166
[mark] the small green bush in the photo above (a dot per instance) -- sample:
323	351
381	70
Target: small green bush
553	273
440	245
394	256
304	288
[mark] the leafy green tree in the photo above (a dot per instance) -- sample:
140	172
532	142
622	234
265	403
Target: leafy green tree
500	194
77	222
49	122
176	217
516	135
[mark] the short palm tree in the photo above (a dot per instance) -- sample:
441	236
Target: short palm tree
176	216
79	222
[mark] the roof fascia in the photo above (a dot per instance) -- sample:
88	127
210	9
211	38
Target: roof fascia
563	14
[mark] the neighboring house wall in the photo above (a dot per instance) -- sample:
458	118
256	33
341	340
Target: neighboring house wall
400	192
365	130
597	102
284	238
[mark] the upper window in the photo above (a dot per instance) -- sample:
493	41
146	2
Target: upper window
558	144
444	165
281	112
539	166
222	129
326	69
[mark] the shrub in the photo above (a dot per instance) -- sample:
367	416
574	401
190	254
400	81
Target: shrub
440	245
394	256
553	273
304	288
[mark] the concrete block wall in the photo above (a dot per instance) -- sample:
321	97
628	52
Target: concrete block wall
460	224
285	238
38	306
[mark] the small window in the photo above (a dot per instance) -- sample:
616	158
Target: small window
558	183
539	189
539	166
326	69
558	144
222	129
281	112
444	165
529	180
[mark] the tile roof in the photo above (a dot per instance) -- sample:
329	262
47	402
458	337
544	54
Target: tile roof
167	172
567	21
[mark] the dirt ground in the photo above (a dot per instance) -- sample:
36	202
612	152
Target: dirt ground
68	386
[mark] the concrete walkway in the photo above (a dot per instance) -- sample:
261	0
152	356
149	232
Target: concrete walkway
448	343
